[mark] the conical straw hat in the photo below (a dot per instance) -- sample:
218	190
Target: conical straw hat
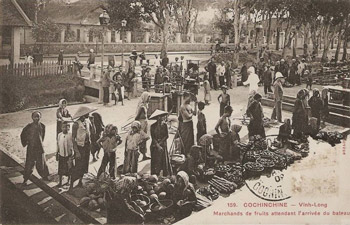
157	113
83	110
205	139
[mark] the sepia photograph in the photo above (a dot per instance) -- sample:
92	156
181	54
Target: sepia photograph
174	112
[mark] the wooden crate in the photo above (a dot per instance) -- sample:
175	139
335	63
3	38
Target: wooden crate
157	101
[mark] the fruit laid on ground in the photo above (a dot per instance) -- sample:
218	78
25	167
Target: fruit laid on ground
162	195
153	196
170	187
166	182
84	201
153	178
93	205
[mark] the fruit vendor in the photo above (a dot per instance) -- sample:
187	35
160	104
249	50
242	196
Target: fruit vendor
159	149
223	130
255	112
186	130
193	162
120	208
236	154
211	157
184	196
300	118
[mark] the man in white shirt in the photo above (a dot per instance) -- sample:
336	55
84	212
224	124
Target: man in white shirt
300	72
253	80
221	73
183	64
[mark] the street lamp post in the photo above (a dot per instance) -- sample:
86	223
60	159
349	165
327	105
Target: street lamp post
104	20
122	29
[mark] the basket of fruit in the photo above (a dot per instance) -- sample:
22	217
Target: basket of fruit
221	169
268	164
280	162
251	156
141	200
209	192
253	169
162	207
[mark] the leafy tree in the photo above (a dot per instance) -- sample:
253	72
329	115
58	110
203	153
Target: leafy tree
159	12
128	10
46	31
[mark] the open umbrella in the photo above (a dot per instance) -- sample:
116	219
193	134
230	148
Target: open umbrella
157	113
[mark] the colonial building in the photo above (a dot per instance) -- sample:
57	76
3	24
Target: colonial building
13	20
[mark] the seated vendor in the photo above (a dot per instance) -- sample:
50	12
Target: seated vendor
211	157
120	208
192	162
223	130
285	131
236	154
184	196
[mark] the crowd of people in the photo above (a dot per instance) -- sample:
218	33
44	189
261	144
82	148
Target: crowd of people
89	134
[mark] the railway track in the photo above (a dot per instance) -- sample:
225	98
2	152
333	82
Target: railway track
42	194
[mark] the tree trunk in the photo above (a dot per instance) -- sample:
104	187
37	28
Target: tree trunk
345	46
339	42
345	43
314	38
236	22
287	40
278	38
306	39
326	43
268	35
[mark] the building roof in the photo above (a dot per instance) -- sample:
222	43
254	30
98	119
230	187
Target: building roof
83	12
11	14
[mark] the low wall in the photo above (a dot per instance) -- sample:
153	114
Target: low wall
72	48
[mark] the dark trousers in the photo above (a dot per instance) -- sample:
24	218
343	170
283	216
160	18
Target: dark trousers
213	83
105	94
39	162
228	82
309	84
211	80
222	80
107	158
267	88
277	111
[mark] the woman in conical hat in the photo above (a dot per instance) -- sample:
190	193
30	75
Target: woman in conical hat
159	150
141	116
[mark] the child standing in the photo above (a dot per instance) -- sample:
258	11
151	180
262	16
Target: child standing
206	85
201	124
225	99
309	79
134	139
64	154
119	88
109	142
